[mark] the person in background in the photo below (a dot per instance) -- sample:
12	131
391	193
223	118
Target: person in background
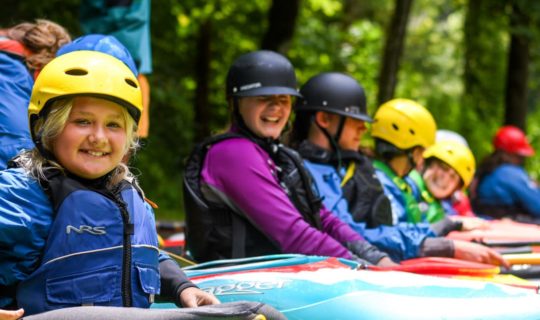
330	121
402	130
461	204
72	213
246	194
24	50
449	167
504	189
129	22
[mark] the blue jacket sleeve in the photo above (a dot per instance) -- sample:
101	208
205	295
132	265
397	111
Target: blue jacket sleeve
25	220
511	185
402	241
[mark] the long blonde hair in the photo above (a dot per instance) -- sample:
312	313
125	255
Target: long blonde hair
49	127
43	38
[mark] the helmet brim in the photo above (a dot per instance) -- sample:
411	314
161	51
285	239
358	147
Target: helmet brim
268	91
525	151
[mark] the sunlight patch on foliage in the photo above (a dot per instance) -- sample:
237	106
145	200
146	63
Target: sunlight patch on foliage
328	7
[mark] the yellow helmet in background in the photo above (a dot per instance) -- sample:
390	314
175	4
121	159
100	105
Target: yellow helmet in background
88	73
405	124
456	155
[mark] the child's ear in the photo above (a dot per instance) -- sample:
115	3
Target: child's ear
323	119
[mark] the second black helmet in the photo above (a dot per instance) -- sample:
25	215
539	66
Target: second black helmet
334	92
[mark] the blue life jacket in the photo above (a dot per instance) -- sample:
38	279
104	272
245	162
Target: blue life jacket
101	250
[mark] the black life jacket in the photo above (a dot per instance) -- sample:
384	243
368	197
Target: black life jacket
363	191
216	231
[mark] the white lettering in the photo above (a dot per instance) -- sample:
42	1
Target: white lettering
89	229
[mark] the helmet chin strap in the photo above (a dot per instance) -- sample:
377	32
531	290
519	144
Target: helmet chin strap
334	141
411	161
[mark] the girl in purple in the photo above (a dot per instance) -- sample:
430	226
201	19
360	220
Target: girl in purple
246	194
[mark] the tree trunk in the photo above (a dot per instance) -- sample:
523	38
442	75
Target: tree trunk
518	71
393	49
484	71
202	67
281	24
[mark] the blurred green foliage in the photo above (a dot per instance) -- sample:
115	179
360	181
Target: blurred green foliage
330	35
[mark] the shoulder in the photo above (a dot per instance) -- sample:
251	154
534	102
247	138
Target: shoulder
509	168
14	70
319	167
17	178
504	171
389	186
234	149
21	193
383	178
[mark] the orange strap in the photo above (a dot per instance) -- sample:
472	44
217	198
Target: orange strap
144	124
151	203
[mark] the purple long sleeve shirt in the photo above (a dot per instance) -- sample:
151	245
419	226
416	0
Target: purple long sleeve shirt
243	175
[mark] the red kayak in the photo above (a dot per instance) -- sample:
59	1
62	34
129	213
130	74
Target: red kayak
502	233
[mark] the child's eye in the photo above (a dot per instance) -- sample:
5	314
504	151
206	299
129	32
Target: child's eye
82	121
114	125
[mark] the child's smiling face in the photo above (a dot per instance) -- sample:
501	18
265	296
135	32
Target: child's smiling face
94	139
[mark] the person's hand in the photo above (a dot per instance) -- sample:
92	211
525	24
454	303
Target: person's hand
386	262
194	297
478	253
471	223
11	314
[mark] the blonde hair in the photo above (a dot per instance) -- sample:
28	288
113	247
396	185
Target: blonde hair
47	129
43	38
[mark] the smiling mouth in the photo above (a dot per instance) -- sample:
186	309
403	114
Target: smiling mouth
271	119
95	153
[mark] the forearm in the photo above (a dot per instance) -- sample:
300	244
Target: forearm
173	281
445	226
437	247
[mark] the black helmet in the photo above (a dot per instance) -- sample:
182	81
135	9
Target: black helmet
261	73
336	93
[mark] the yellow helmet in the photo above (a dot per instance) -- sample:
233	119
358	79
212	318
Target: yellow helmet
405	124
456	155
85	73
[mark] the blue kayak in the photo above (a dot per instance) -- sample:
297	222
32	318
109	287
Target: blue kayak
310	287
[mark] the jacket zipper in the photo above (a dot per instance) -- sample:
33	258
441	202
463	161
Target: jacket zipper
126	254
115	196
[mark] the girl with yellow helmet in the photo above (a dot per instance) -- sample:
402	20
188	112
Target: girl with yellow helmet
72	211
449	166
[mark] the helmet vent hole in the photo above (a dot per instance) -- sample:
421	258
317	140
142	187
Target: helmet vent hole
412	132
76	72
450	152
395	126
131	83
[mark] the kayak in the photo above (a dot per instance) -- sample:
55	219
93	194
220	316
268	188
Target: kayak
502	233
312	287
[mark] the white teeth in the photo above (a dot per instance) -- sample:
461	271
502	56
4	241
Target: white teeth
96	153
272	119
